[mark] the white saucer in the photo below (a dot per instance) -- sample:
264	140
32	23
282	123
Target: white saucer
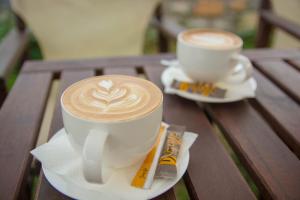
235	91
118	186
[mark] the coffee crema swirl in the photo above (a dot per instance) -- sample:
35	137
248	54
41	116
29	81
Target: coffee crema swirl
111	98
211	39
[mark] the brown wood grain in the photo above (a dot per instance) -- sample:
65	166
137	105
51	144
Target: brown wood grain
281	73
264	53
3	91
295	62
128	61
277	21
211	172
20	119
168	195
120	70
263	36
46	191
272	164
57	66
280	110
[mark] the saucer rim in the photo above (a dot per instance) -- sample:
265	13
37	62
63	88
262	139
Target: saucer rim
58	186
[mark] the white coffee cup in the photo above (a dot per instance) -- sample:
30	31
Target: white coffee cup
211	55
111	144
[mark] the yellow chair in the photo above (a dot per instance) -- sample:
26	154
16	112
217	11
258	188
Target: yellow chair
72	29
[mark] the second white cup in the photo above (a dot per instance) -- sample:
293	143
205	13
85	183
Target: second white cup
211	55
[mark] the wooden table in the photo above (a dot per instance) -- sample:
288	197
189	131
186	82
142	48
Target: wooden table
264	132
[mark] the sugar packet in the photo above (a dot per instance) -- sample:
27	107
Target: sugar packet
167	163
205	89
145	175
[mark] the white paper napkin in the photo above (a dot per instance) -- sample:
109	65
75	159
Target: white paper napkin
59	158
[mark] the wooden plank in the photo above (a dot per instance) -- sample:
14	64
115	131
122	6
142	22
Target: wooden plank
3	91
20	119
295	62
277	21
45	190
271	53
265	29
168	195
281	73
120	70
162	39
12	48
274	167
280	110
211	172
128	61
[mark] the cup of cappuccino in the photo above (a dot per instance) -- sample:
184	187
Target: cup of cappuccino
209	55
112	121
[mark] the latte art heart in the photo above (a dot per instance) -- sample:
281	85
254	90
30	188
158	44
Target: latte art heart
112	98
109	98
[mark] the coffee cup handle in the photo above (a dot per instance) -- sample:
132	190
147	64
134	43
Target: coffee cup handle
246	68
92	156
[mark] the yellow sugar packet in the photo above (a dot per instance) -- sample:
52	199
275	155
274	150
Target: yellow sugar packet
205	89
168	163
144	176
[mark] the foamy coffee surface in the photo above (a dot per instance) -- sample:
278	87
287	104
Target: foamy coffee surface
111	98
211	39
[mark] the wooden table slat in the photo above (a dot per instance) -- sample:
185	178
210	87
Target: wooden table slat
281	111
274	167
295	62
264	53
211	172
284	75
58	66
128	61
20	119
120	70
46	191
168	195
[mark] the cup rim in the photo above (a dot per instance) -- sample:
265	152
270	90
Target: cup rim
112	121
238	46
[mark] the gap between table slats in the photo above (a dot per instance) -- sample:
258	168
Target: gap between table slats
20	119
282	74
282	113
274	167
211	172
45	190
